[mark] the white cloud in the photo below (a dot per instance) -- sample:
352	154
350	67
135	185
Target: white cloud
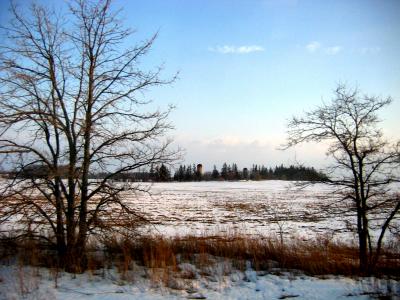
313	46
226	49
333	50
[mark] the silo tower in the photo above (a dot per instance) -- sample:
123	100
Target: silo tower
200	169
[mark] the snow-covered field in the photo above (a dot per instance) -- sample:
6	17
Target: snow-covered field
267	208
249	207
263	208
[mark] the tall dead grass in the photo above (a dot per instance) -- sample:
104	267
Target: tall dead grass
317	257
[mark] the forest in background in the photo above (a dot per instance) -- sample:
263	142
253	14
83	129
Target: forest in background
193	172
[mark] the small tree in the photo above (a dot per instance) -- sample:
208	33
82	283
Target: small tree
179	174
235	172
71	102
215	173
224	171
163	173
188	173
365	164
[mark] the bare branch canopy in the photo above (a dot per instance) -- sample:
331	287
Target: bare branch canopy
71	103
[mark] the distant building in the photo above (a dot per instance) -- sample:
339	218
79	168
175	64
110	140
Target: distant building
245	173
199	169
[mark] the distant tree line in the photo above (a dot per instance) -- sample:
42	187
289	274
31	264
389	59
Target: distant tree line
155	173
159	173
257	172
162	173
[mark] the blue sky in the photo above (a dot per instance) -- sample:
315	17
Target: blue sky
247	66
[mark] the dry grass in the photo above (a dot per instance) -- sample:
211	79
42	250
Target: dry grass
317	257
246	207
163	256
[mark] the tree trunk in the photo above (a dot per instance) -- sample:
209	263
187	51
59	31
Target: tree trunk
80	247
363	251
75	259
362	240
60	233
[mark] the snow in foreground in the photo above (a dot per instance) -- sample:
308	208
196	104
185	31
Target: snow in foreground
33	283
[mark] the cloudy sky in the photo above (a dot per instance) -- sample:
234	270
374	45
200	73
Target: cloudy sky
246	66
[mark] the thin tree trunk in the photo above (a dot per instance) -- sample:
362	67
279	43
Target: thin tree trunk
60	234
362	241
81	259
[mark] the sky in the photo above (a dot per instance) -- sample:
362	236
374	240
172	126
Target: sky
246	66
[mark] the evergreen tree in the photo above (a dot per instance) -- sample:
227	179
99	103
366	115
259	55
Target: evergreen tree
235	172
215	173
188	173
163	173
255	174
224	171
179	174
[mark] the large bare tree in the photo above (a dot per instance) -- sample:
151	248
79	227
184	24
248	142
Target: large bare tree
72	104
365	165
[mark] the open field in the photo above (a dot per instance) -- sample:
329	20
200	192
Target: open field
215	240
266	208
273	209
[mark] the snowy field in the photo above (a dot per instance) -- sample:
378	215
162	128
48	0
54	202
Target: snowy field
271	208
264	208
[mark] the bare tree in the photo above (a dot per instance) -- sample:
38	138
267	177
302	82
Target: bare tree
365	164
71	103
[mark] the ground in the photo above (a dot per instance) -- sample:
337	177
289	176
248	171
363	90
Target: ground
209	208
32	283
